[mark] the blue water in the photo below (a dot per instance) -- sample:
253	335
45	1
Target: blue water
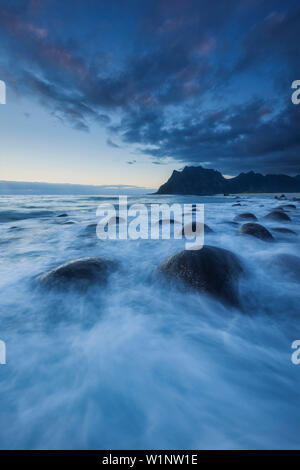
140	363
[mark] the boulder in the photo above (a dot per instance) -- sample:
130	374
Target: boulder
246	216
89	231
285	230
256	230
212	270
79	273
287	206
278	216
192	227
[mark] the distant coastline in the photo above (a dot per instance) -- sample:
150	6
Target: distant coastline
8	188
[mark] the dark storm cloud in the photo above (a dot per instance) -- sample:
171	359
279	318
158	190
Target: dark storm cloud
192	83
274	40
242	137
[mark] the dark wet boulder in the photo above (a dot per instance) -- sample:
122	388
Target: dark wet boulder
89	231
195	228
287	206
246	216
256	230
278	216
212	270
284	230
207	229
79	273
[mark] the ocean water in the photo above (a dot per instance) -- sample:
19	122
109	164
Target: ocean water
141	363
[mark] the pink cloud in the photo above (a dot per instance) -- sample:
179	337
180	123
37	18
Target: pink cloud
16	26
64	58
46	49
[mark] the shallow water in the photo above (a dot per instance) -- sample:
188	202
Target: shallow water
142	363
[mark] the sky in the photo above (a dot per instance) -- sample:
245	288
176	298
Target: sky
112	92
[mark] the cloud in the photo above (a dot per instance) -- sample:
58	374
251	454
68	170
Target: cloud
195	81
112	144
240	137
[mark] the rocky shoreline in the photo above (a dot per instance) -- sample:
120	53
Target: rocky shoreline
211	270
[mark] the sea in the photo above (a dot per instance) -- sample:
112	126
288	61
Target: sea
141	362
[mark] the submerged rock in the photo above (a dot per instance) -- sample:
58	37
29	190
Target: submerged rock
79	273
288	231
278	216
90	229
212	270
287	206
246	216
195	228
256	230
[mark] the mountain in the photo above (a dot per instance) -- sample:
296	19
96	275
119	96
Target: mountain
201	181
